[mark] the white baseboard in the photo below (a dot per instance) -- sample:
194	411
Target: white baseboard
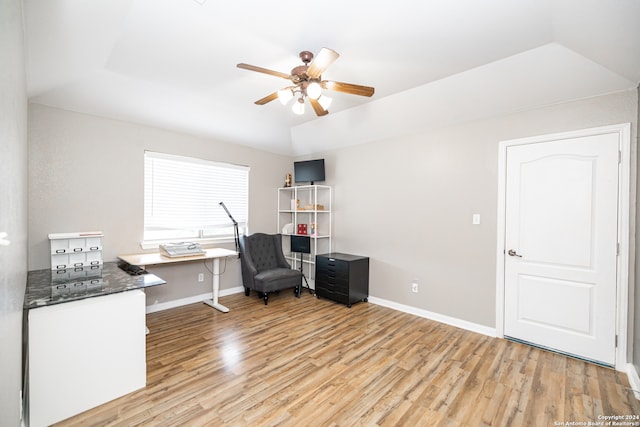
634	379
458	323
191	300
231	291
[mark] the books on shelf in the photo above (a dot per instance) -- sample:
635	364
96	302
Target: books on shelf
311	207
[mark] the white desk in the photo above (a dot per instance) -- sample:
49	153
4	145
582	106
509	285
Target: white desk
213	254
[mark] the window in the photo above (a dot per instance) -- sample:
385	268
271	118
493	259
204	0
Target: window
182	197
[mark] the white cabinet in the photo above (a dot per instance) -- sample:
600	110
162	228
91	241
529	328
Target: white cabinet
305	211
84	353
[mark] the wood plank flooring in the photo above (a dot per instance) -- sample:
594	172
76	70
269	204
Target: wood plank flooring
312	362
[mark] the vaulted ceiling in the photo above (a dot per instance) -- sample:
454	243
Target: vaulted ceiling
172	63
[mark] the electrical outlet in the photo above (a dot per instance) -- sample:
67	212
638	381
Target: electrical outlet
200	277
414	287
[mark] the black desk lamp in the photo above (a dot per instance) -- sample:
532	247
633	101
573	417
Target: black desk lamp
236	234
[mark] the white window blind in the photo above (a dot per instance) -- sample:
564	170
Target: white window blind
182	197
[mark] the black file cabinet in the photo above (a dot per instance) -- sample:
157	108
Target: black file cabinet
342	277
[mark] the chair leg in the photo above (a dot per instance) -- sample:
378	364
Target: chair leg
247	291
297	291
266	298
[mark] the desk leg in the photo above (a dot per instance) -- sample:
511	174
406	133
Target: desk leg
146	328
216	288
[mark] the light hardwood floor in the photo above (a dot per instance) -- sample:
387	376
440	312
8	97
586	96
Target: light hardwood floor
310	362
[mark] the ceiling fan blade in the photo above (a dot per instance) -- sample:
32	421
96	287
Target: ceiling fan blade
263	70
267	98
317	107
321	62
348	88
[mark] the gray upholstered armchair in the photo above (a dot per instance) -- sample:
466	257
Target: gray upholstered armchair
264	268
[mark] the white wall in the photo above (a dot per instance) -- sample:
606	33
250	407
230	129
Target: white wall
13	207
86	173
408	204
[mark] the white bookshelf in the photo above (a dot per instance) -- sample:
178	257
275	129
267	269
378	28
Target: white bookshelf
305	204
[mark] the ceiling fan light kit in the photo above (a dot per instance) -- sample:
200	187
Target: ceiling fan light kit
314	90
325	101
298	106
308	83
285	95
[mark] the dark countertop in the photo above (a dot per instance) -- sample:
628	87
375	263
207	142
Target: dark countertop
49	287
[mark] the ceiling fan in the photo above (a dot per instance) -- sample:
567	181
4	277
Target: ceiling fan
307	83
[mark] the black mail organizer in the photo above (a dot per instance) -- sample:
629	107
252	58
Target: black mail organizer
342	277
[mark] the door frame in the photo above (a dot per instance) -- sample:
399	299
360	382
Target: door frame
622	277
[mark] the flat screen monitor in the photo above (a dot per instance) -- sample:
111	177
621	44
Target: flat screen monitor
310	171
301	244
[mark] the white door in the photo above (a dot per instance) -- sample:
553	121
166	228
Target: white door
561	245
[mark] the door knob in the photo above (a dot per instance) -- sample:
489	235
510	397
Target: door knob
511	252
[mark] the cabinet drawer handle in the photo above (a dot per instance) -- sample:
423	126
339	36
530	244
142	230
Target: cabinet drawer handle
61	266
77	249
61	251
93	248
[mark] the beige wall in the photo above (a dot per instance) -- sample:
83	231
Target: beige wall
408	204
405	202
86	173
13	207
